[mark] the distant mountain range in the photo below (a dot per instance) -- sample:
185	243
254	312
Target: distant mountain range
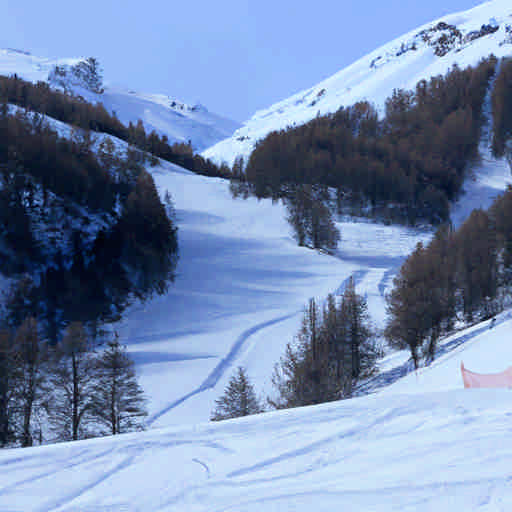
164	114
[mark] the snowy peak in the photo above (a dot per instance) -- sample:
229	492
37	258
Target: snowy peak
28	66
83	76
462	38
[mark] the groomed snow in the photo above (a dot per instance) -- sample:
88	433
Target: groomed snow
240	289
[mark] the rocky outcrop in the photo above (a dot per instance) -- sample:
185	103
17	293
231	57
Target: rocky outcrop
86	74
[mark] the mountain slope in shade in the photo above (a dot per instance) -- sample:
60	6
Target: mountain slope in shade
164	114
463	38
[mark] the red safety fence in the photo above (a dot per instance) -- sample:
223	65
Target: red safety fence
481	380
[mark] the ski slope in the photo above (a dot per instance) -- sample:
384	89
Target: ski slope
422	444
240	290
162	113
242	284
402	63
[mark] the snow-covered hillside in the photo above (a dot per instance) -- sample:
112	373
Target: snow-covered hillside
241	286
421	443
434	447
242	283
164	114
430	50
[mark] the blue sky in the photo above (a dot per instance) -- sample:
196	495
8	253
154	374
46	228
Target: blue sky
234	56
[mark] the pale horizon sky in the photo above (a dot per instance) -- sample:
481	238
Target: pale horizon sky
234	57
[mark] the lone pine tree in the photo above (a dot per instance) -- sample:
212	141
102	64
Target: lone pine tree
239	399
118	401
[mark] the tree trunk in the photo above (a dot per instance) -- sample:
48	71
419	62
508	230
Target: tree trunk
76	398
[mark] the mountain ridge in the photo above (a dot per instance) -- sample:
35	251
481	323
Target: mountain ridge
165	114
462	38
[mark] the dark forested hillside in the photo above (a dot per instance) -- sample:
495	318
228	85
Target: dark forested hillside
502	108
76	111
408	165
461	274
80	232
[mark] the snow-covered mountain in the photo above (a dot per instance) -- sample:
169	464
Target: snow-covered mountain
422	443
463	38
164	114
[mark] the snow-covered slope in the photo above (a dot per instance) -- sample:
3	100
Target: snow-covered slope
462	38
241	281
241	286
164	114
441	448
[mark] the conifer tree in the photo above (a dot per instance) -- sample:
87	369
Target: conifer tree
7	388
409	305
73	379
330	354
239	398
355	321
30	379
311	219
477	266
118	401
147	237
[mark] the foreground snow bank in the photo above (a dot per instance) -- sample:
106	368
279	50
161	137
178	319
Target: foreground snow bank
402	452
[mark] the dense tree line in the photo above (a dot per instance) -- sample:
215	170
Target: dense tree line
502	108
460	274
333	350
64	392
74	110
310	217
408	165
87	231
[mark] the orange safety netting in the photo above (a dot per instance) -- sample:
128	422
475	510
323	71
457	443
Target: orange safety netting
480	380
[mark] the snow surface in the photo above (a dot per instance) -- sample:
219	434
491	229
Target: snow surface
423	444
241	287
164	114
374	77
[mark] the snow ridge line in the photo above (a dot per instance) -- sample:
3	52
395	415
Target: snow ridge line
225	363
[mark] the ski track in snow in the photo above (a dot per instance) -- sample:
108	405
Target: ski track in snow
53	472
103	477
224	365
